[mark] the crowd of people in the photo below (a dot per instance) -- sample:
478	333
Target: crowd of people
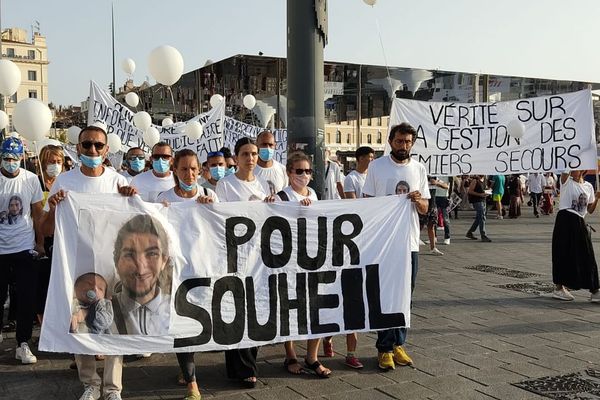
28	205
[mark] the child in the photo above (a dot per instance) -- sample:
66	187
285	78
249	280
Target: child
92	309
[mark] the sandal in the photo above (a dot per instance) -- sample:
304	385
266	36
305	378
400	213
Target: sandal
287	363
249	382
323	374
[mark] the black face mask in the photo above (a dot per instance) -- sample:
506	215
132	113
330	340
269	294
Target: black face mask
400	155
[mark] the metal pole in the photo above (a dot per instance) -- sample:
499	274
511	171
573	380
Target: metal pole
3	132
112	12
359	107
307	36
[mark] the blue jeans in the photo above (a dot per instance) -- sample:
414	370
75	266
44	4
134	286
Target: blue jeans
388	338
479	218
442	205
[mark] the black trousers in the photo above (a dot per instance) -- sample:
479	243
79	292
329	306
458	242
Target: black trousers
241	364
23	268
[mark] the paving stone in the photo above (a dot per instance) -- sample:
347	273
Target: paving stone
278	393
407	390
448	383
369	394
493	376
529	370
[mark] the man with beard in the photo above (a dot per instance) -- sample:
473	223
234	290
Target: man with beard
142	262
385	175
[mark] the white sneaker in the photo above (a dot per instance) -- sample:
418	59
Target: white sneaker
595	297
499	217
436	252
25	355
421	243
91	393
563	294
113	396
144	355
446	242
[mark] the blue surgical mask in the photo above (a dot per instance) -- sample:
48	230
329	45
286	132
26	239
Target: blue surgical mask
188	188
90	162
229	171
217	172
161	166
137	165
10	166
266	154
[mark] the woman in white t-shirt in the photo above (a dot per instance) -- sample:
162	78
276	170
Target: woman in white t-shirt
186	168
573	261
299	171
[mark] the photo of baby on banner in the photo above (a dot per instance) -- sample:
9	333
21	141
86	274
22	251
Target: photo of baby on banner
137	301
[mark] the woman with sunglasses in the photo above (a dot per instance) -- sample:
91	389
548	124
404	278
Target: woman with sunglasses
299	172
186	168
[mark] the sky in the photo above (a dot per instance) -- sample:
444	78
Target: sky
553	39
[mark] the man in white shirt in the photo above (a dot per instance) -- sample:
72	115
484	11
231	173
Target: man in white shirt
267	168
90	177
333	188
217	167
20	237
135	160
354	182
536	183
389	175
151	183
142	262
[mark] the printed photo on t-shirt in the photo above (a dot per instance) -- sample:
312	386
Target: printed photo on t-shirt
580	204
402	187
14	213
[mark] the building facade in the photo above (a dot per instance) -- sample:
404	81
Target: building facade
31	56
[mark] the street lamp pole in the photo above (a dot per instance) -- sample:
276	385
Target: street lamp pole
306	38
112	12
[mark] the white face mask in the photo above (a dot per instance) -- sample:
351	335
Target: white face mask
301	180
53	170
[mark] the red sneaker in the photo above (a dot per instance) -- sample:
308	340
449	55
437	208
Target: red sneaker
328	348
353	362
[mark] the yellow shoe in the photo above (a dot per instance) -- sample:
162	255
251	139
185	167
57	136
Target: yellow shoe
386	361
400	356
193	395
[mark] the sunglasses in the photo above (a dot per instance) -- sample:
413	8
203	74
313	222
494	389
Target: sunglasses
300	171
157	157
88	145
133	158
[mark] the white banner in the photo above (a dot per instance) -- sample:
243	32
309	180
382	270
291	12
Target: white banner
234	130
130	277
119	120
472	138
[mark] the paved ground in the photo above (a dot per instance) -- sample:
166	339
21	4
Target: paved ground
470	338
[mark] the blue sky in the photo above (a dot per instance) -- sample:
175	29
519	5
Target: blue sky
541	38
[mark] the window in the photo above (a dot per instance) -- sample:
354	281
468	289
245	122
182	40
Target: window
378	137
10	52
338	137
328	137
13	98
348	137
31	54
369	138
33	94
32	75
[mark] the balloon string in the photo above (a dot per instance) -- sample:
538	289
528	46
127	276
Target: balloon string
172	101
382	46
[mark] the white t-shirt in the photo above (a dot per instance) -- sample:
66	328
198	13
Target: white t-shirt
276	176
171	197
149	185
385	176
333	176
575	196
293	196
16	197
354	182
127	175
75	181
230	188
536	183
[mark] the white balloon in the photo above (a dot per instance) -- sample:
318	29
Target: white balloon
142	120
32	119
193	130
10	77
215	99
166	122
45	142
73	134
516	129
132	99
249	101
151	136
3	120
128	66
165	64
114	143
15	135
